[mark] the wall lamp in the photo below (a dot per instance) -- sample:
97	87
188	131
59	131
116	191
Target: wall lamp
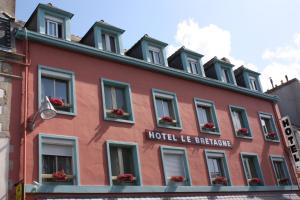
46	111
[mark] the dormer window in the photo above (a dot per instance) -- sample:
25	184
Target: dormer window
252	83
225	77
54	27
155	55
109	42
192	66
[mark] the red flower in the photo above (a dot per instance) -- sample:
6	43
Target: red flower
271	135
220	180
56	102
118	111
125	177
209	125
167	119
243	131
60	175
177	178
254	181
283	181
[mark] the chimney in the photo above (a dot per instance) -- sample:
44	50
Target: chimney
8	7
286	78
281	82
271	82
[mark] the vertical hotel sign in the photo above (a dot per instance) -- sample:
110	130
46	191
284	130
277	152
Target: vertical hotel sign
291	142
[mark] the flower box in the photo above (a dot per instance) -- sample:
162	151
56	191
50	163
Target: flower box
59	176
254	181
177	178
209	126
272	136
125	178
167	120
220	180
283	181
56	102
117	113
243	131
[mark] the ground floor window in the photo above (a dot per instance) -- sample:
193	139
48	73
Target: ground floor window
58	160
123	163
252	169
280	170
217	168
175	166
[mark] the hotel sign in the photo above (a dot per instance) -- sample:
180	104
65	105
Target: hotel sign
291	141
186	139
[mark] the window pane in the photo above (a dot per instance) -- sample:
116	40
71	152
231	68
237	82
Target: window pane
108	97
127	160
156	58
103	42
174	165
215	167
47	87
204	114
151	53
112	44
237	120
52	28
64	163
167	108
279	170
159	106
225	76
189	68
115	169
49	165
266	124
247	168
120	98
60	31
252	166
61	90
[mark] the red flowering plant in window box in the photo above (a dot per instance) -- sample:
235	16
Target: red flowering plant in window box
59	176
177	178
209	126
167	119
125	178
220	180
254	181
56	102
271	135
283	181
118	112
243	131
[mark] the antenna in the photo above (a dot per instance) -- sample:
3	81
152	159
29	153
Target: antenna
271	82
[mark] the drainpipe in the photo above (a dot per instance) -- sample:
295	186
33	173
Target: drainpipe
286	149
27	63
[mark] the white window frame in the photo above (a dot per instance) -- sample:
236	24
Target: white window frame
253	83
155	50
56	21
192	62
107	42
224	72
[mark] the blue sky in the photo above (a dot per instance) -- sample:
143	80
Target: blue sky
262	35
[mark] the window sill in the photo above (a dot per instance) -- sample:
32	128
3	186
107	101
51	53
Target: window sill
106	118
249	136
66	113
164	125
210	132
270	140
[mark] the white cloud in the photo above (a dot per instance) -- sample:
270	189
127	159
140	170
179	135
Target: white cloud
283	61
210	41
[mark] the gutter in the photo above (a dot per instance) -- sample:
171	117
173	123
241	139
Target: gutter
88	50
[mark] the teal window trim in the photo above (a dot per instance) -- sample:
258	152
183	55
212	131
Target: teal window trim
219	66
98	31
222	155
247	75
211	104
273	126
145	50
173	98
128	99
245	121
185	58
136	159
75	165
257	166
45	11
286	170
59	74
188	181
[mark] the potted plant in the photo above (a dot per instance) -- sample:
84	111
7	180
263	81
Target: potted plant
220	180
59	175
167	120
271	135
243	131
119	112
177	178
283	181
125	178
209	126
56	102
254	181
